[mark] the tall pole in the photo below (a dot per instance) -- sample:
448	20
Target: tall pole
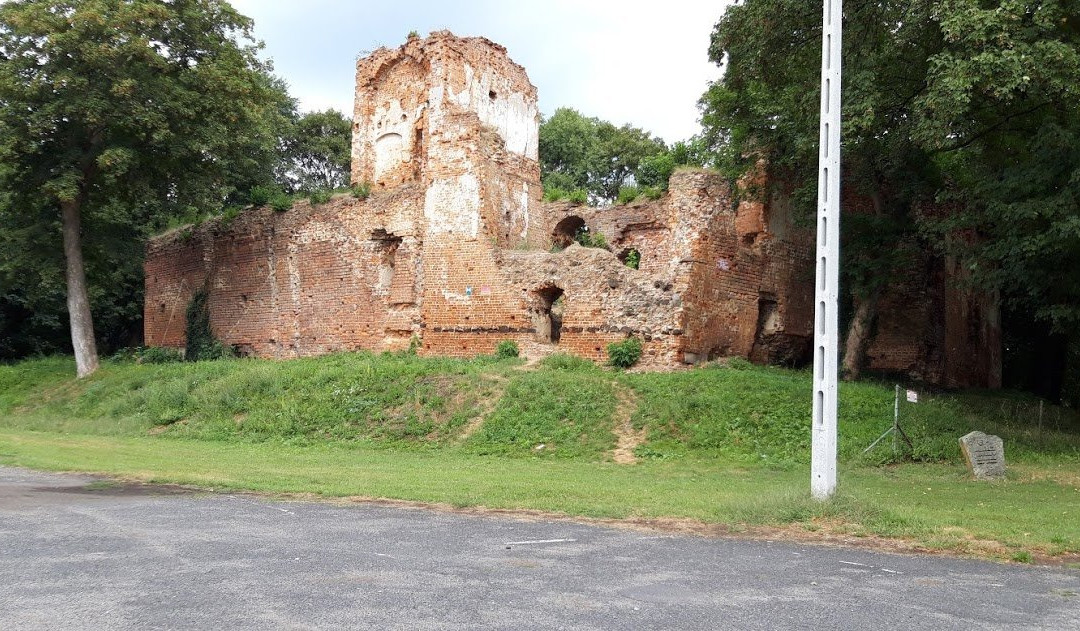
826	339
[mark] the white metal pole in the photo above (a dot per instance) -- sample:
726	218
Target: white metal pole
826	340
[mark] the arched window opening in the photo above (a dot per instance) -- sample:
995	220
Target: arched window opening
631	258
566	231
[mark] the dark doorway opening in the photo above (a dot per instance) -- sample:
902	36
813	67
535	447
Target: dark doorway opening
566	231
547	313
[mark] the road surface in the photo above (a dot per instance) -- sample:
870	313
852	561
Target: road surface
77	553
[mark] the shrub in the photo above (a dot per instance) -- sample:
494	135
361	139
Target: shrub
574	196
320	196
361	190
201	343
627	194
578	196
633	259
507	349
159	355
229	215
262	194
590	239
281	202
652	192
624	354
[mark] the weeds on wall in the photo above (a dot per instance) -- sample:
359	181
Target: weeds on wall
201	342
590	239
575	196
361	190
320	196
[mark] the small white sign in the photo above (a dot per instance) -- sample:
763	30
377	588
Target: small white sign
912	396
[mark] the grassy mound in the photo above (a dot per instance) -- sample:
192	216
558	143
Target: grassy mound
737	413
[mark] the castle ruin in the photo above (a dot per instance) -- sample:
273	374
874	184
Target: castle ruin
454	250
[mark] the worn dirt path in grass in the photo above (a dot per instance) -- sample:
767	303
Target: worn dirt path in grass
487	406
629	438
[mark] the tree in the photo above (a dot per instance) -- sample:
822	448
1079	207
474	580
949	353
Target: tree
117	113
317	152
941	101
577	152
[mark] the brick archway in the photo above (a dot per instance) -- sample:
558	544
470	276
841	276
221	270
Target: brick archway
566	231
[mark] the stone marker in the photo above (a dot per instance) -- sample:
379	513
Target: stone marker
985	455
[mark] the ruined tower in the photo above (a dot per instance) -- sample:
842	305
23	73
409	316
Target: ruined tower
454	250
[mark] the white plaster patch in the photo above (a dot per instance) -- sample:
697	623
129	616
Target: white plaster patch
510	112
452	206
389	152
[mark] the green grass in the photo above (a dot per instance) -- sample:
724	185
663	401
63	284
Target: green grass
725	445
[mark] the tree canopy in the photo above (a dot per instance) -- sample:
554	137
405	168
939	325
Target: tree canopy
584	153
966	107
317	152
114	115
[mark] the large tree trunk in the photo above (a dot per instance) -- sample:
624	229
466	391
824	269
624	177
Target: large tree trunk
858	337
82	324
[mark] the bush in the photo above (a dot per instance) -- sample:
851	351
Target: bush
159	355
320	196
201	343
361	190
507	349
633	259
624	354
574	196
262	194
281	202
652	192
627	194
590	239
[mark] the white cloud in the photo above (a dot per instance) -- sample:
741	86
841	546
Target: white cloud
606	58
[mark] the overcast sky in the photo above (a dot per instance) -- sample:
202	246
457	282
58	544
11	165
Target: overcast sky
605	58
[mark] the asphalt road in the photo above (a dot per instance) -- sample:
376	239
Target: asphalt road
80	554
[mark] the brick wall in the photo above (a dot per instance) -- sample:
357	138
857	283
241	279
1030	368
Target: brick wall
455	249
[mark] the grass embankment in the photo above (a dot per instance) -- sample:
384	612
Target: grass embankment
723	445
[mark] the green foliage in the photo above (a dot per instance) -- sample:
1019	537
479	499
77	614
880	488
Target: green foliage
564	361
633	259
202	344
590	239
656	170
577	152
627	194
317	152
320	196
576	196
159	355
507	349
139	112
413	35
624	354
564	413
281	202
361	190
982	120
261	194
